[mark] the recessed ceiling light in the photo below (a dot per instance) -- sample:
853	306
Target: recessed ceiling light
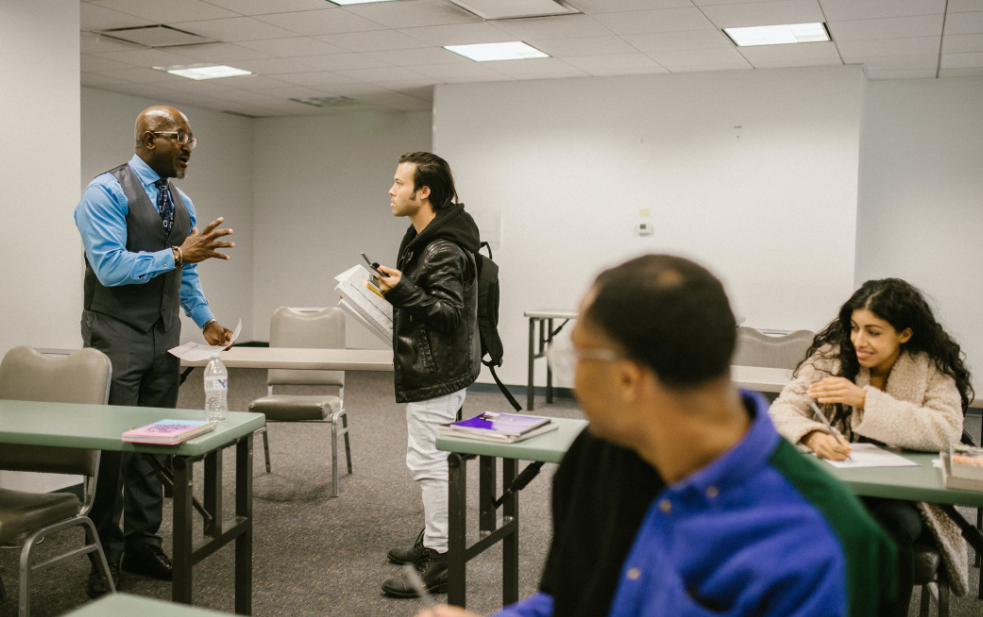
347	2
203	71
486	52
778	35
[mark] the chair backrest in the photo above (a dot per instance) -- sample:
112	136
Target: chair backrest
323	329
754	348
26	375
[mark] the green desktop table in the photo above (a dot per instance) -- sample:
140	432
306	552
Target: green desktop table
99	427
547	448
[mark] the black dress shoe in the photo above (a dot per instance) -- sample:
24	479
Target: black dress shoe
432	567
399	556
149	560
97	584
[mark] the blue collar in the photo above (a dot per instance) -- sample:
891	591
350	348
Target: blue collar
143	171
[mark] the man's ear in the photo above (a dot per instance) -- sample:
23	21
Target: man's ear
148	140
423	193
630	379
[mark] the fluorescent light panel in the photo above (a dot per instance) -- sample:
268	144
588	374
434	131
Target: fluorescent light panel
488	52
347	2
778	35
203	71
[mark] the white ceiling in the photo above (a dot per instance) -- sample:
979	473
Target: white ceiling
389	55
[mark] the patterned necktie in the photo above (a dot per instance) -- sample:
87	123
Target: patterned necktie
164	205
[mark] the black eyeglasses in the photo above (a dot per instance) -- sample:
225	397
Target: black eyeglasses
180	137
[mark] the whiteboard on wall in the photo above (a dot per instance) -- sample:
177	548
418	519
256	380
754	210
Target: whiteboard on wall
752	173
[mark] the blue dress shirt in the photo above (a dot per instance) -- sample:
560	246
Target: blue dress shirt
101	219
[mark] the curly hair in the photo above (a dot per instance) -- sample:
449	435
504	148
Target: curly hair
903	306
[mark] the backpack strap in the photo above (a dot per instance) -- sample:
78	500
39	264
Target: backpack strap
501	386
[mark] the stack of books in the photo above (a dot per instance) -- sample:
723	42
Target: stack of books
498	427
962	468
168	432
364	302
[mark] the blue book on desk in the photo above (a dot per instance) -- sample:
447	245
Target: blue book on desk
498	427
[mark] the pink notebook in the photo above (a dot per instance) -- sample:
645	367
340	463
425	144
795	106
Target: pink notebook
168	432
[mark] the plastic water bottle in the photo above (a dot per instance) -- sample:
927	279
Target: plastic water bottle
216	390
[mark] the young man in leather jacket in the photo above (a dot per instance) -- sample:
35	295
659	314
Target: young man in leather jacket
436	346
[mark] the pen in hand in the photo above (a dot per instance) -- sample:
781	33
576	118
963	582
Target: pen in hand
822	418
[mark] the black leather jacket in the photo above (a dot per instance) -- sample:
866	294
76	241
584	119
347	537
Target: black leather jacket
436	346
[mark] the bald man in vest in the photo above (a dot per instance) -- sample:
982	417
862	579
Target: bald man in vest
142	248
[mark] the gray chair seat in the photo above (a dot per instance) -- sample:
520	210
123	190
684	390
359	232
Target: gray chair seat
22	512
296	407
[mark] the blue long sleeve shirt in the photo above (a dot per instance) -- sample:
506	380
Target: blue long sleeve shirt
760	531
101	220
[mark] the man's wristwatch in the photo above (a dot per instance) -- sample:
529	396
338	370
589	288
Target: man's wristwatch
205	325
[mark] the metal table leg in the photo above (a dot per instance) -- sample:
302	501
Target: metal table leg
510	543
213	494
530	387
183	561
549	371
244	514
457	504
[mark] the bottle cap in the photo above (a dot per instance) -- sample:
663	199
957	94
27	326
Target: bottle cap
214	355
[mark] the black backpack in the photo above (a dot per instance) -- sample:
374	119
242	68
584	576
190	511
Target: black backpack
488	296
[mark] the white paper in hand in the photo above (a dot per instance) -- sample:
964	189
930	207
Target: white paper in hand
194	352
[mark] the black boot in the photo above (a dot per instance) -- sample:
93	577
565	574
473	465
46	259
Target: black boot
399	556
97	586
432	567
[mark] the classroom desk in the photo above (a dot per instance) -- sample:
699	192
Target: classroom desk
544	320
98	427
303	358
546	448
124	605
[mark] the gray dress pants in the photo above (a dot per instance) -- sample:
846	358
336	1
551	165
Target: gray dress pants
144	375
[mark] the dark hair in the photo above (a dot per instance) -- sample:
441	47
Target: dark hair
668	314
434	173
903	306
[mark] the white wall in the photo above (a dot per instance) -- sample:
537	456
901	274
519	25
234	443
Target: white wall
219	183
41	281
921	197
320	190
753	174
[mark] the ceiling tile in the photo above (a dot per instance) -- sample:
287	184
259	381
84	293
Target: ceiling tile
699	57
417	57
92	17
861	51
378	40
168	12
398	101
614	6
421	89
342	62
260	82
977	72
143	76
964	6
587	46
672	41
609	62
265	7
914	61
414	13
146	57
964	23
464	73
235	29
134	89
91	63
324	21
962	43
890	28
806	54
316	79
538	68
294	47
381	75
560	27
665	20
220	53
710	66
96	80
764	13
458	34
654	69
889	73
272	66
90	43
846	10
962	61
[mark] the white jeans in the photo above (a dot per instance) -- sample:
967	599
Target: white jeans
428	464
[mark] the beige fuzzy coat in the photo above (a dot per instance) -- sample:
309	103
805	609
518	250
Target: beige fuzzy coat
919	409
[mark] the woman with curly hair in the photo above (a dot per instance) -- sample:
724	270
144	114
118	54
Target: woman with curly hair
885	372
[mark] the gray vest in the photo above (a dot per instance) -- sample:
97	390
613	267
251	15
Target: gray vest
141	305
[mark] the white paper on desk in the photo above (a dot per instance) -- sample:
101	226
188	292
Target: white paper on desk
193	352
870	455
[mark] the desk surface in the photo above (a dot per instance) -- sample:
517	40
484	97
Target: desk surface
922	483
548	447
551	314
100	427
311	359
124	605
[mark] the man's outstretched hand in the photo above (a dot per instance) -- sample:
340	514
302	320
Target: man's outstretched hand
201	246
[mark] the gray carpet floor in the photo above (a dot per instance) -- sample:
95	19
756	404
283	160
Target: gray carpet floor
316	555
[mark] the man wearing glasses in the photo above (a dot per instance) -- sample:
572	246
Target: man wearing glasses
141	254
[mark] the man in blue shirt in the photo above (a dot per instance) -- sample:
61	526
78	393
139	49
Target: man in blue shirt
680	498
141	254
